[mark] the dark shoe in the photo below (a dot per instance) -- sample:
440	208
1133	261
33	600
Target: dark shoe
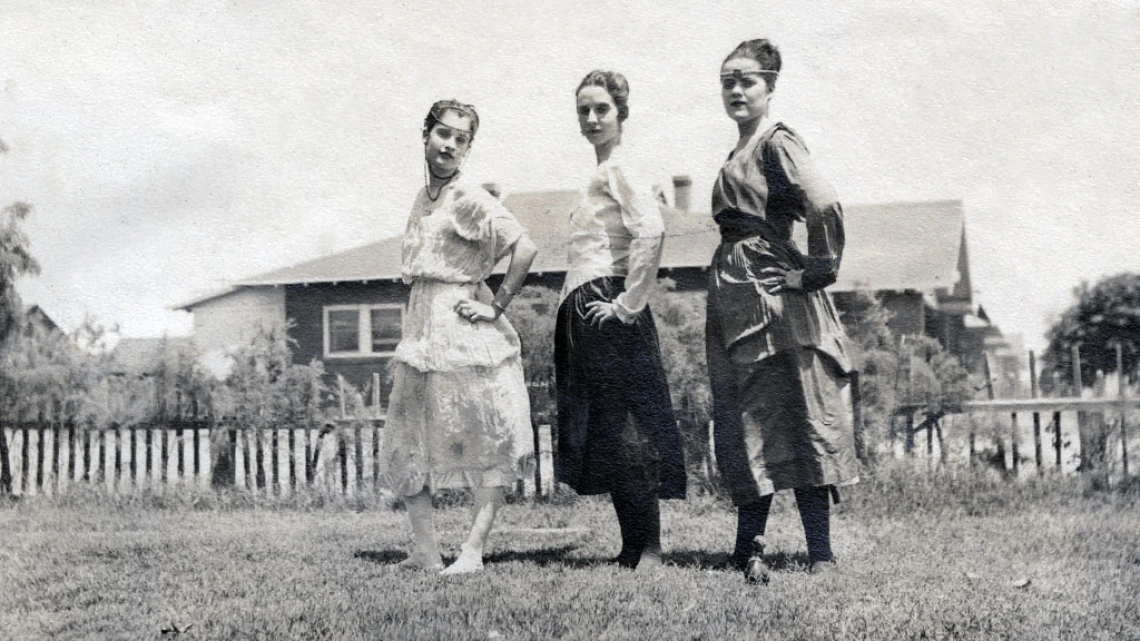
628	558
755	569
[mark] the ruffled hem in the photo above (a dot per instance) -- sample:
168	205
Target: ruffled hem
455	479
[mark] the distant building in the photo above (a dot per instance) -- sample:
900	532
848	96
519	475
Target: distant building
347	307
36	318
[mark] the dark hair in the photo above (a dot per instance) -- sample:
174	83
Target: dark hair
614	83
441	106
764	53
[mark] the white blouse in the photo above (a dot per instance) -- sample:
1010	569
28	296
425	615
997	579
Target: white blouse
617	231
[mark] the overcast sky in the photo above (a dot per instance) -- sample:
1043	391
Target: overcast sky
171	147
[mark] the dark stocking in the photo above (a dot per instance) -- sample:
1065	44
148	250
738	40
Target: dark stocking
639	517
815	513
751	519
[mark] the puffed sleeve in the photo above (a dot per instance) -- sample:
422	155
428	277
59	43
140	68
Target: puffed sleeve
479	216
820	205
641	215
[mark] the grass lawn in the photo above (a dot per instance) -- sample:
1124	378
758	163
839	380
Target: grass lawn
912	567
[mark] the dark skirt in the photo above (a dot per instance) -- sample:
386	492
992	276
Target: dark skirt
615	418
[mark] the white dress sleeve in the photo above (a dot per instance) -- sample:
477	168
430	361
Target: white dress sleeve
641	215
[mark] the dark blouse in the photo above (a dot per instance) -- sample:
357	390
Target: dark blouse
761	192
769	185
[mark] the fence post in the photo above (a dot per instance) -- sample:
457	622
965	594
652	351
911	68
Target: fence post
71	457
376	394
1014	441
101	464
56	456
358	455
1037	458
1057	442
376	456
87	454
908	447
274	463
1123	413
1082	417
293	459
5	468
133	466
259	458
310	464
856	417
929	440
342	459
197	441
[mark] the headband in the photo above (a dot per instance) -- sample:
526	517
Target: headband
468	110
738	74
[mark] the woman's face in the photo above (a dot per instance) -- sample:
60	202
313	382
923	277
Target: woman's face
447	143
743	89
598	116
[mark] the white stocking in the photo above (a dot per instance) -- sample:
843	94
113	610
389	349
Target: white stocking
426	553
487	502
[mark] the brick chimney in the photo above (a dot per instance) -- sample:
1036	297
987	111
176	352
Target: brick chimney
682	192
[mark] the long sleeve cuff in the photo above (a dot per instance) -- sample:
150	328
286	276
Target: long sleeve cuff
644	259
825	247
819	273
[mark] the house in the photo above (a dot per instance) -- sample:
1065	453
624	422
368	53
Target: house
37	317
346	308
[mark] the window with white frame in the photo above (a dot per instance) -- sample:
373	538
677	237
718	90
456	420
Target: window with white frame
362	330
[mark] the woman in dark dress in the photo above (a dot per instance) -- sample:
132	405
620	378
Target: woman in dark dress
778	355
616	430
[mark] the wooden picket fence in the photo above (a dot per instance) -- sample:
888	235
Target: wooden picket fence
1097	423
341	458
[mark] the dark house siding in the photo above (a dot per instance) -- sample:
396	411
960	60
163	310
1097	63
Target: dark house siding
304	306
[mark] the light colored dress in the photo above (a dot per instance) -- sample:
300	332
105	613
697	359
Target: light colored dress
459	414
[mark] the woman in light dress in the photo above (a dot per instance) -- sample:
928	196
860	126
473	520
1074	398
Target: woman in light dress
778	356
459	414
616	429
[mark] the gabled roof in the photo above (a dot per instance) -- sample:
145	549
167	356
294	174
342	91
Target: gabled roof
36	315
896	246
900	246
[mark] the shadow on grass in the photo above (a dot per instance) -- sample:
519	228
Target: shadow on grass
558	556
705	560
540	557
381	557
687	559
563	556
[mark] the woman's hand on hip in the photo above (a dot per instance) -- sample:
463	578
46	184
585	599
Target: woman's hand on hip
474	311
777	281
598	312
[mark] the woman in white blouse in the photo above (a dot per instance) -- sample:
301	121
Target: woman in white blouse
616	429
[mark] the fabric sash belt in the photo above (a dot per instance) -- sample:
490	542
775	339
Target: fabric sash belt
736	226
